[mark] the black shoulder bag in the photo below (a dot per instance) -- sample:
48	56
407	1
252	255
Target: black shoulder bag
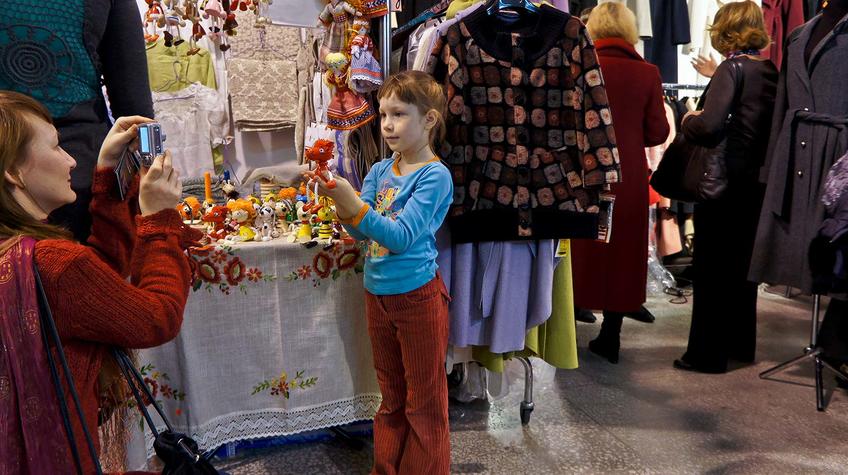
692	172
178	451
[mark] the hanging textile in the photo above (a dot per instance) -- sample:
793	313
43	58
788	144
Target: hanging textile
781	17
671	28
172	69
809	133
195	119
263	75
537	174
554	341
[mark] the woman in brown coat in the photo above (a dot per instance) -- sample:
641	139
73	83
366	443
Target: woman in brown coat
724	309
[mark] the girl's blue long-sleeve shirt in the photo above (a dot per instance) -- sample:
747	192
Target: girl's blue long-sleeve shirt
400	219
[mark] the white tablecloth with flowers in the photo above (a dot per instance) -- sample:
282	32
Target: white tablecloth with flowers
274	342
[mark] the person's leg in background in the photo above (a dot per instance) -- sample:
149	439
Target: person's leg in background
608	342
707	348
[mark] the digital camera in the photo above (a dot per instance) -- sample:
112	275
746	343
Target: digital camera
150	138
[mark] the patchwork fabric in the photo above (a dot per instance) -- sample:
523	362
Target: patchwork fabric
530	140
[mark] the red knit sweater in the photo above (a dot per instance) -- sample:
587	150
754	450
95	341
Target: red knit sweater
93	304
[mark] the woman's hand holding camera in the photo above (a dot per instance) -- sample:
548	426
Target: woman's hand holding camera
160	186
123	135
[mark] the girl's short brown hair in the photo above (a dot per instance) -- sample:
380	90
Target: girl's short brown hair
419	88
16	114
739	26
613	20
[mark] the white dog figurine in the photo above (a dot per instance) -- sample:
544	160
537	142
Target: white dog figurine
266	223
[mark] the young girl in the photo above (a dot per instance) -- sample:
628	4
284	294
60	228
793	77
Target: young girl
403	202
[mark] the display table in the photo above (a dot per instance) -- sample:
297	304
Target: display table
274	342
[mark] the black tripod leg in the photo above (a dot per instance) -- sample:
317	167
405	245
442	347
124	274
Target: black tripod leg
819	385
767	373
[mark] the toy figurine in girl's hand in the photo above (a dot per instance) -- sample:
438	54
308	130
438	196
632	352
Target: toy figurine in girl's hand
320	153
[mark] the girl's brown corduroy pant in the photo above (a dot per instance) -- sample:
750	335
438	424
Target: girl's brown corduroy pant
409	339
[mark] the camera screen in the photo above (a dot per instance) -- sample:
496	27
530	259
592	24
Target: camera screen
144	140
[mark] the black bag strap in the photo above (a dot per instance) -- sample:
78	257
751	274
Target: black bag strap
737	83
49	332
136	380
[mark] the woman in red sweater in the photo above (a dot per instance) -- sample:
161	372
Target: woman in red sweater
93	304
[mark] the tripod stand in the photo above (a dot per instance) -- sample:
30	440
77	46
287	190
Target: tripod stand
811	351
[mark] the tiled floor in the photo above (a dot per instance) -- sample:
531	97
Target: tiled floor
640	416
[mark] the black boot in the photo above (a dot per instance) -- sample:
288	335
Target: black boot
607	343
584	315
642	315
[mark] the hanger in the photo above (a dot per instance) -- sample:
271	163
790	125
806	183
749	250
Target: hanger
177	79
494	7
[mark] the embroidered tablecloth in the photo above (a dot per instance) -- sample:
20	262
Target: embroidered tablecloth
274	342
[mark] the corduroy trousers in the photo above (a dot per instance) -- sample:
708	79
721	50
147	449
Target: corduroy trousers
409	340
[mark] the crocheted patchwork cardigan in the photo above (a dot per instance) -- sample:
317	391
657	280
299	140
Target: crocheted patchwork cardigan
530	141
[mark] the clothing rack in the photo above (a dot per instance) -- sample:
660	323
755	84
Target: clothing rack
683	87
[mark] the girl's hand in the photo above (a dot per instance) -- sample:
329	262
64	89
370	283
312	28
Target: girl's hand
345	196
122	135
160	186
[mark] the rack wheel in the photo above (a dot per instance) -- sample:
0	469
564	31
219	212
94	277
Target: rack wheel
526	410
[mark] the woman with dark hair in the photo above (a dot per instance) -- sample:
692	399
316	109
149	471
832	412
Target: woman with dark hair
724	310
93	304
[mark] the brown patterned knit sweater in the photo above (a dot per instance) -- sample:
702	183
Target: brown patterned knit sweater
530	140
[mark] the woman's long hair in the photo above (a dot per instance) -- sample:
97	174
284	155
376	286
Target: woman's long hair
16	113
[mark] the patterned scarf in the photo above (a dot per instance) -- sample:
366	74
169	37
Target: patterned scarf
32	439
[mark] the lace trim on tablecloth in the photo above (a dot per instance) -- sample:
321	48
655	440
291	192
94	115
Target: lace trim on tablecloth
248	425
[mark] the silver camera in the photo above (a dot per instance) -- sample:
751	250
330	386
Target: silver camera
150	138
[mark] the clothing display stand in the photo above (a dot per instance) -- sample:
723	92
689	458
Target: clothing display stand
527	405
684	87
811	351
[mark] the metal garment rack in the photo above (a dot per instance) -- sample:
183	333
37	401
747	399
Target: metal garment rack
683	87
527	404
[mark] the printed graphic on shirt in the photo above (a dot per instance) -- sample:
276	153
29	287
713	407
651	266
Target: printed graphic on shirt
384	207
